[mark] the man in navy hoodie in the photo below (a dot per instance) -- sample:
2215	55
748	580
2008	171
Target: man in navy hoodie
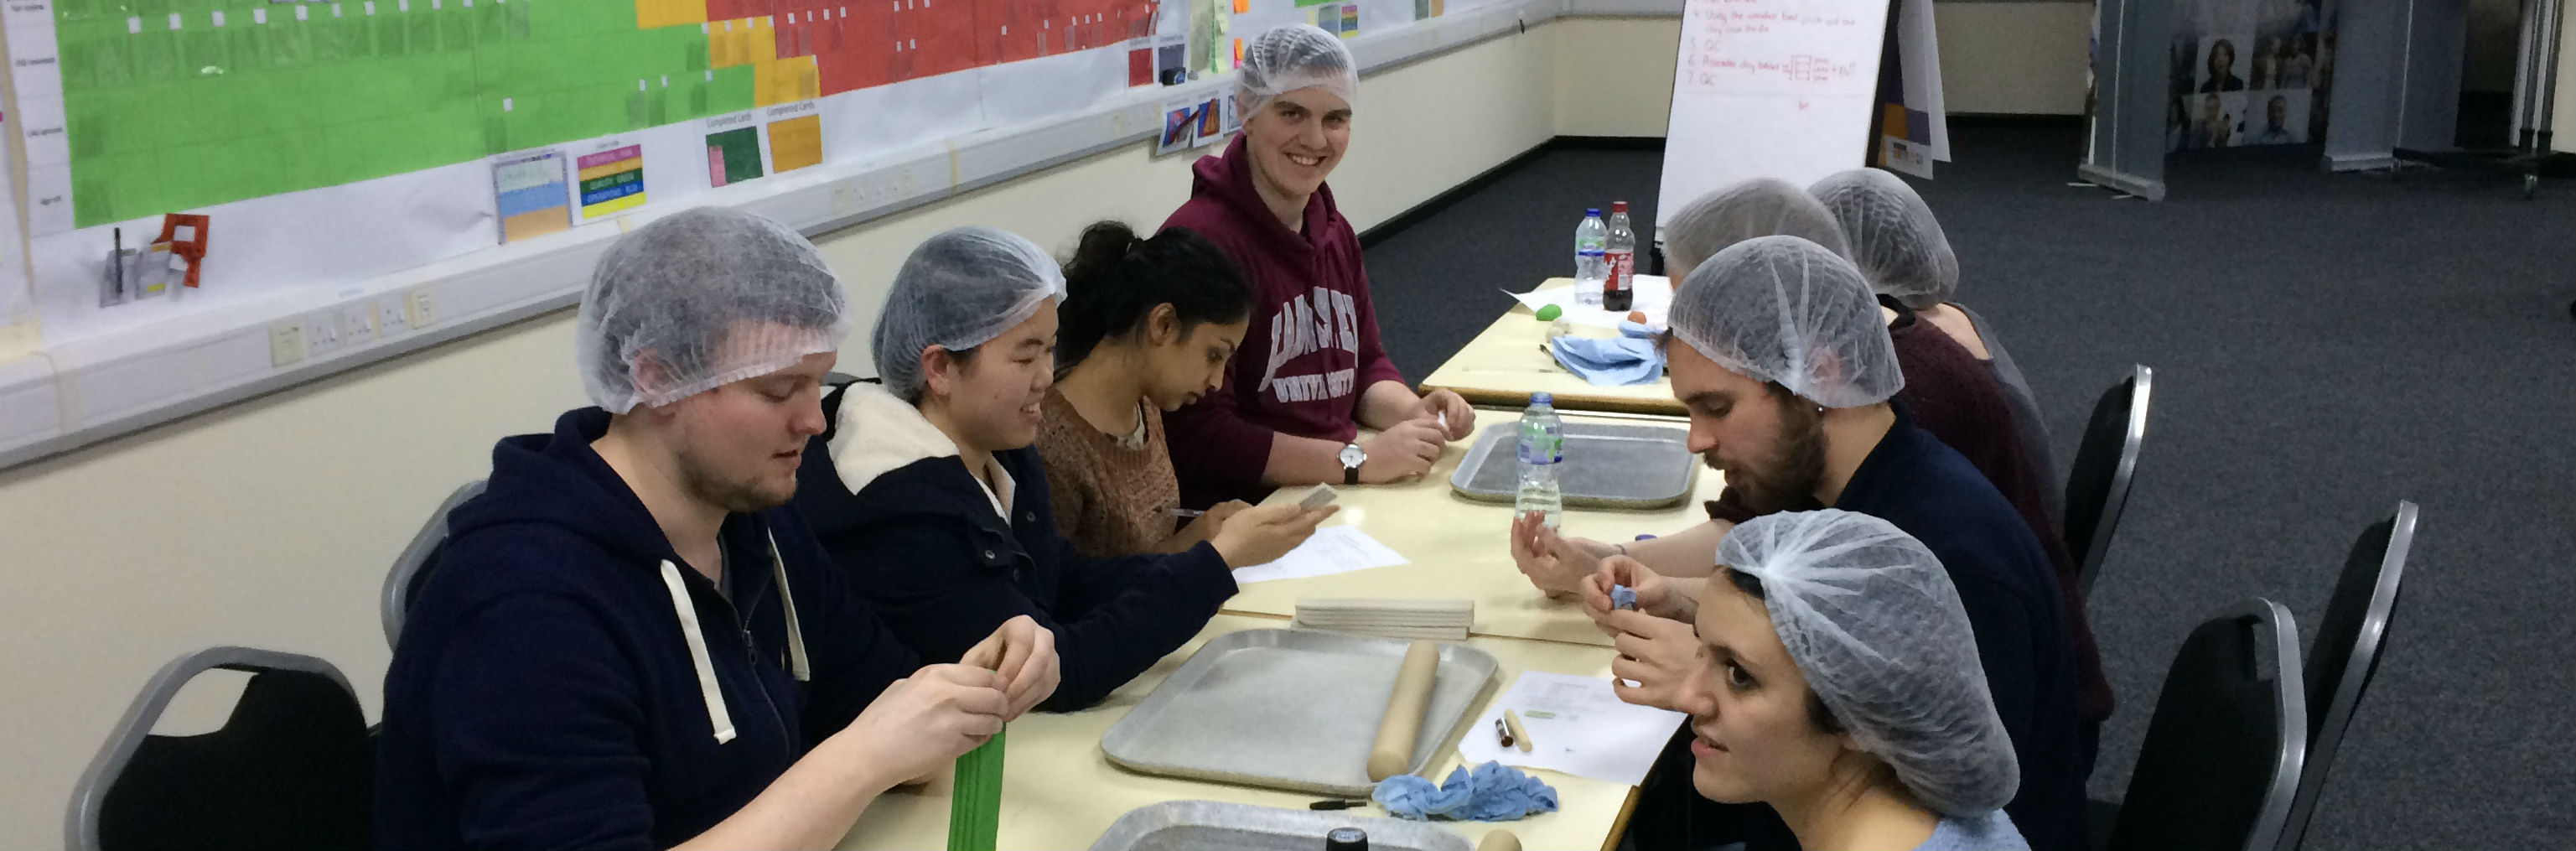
1311	372
630	642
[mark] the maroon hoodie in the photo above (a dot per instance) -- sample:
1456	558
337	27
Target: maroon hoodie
1312	346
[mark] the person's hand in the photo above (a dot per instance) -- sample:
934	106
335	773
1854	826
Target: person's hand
1654	592
1403	452
1023	654
1556	565
1655	653
1204	526
1261	535
1446	403
925	720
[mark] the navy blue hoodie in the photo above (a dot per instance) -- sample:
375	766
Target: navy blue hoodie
543	693
926	550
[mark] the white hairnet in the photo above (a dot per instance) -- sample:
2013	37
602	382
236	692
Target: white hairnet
1780	308
1872	621
1298	56
1894	239
1761	206
958	290
709	296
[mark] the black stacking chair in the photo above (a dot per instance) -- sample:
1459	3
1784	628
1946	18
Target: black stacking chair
2346	653
291	768
2221	761
418	560
2097	488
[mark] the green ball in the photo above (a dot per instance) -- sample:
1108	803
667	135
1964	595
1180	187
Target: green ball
1550	313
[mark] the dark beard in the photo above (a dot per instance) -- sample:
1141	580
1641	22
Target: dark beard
1788	482
733	497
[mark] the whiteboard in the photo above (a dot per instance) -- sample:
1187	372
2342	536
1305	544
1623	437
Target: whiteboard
1769	88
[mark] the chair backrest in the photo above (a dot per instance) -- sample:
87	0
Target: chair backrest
2097	488
2346	653
418	559
2223	751
291	768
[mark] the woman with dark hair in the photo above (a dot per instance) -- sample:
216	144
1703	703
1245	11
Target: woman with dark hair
2222	69
1148	325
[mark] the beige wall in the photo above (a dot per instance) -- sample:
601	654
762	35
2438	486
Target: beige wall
2562	114
271	523
2014	57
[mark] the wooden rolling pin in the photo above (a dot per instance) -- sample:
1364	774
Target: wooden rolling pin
1393	752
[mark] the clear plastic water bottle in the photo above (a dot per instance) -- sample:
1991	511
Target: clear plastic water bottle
1542	449
1589	269
1619	255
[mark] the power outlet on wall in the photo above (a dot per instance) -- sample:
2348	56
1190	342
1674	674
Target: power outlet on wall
388	315
285	343
321	334
420	309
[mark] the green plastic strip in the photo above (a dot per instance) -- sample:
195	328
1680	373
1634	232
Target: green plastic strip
975	801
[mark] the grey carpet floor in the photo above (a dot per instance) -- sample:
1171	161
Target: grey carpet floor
2324	346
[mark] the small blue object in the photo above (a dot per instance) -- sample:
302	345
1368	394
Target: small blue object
1609	362
1494	792
1623	597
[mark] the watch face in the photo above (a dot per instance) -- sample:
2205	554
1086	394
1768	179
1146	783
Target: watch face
1352	456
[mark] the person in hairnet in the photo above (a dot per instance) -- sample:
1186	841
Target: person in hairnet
1312	372
1780	355
1839	684
1947	391
1962	386
925	487
1900	248
629	641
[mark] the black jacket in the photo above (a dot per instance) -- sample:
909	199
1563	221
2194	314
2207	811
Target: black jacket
544	693
926	550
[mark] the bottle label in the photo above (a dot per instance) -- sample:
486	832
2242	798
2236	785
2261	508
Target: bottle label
1623	271
1542	450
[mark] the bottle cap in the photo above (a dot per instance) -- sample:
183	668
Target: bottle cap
1592	212
1542	398
1619	206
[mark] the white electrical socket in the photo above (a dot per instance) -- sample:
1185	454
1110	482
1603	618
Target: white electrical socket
285	343
420	309
389	315
357	324
321	334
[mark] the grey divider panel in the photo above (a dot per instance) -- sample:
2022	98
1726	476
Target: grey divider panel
1179	825
2131	76
1292	709
2396	80
1606	466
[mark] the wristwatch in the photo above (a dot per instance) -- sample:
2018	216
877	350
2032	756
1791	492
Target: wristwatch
1352	457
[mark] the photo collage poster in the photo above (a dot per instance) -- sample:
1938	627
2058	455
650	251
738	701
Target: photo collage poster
2249	72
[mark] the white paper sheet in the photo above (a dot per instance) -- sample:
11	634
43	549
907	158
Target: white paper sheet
1654	298
1576	725
1333	549
1769	88
1921	78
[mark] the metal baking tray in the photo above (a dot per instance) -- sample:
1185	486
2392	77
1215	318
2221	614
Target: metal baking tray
1291	709
1606	466
1193	825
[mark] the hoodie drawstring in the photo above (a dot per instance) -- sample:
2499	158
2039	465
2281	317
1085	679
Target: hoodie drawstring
796	662
708	690
717	717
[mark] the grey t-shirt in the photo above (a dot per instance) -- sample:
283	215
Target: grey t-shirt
1993	831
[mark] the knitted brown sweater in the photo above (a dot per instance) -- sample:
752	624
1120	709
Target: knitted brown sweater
1109	500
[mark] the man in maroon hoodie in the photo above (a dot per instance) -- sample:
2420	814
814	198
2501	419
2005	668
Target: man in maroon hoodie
1310	373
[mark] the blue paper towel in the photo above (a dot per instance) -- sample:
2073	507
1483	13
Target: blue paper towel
1609	362
1493	792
